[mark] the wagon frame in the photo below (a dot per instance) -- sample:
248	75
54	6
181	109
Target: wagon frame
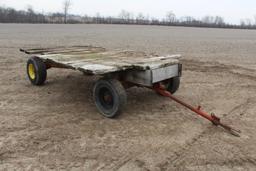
119	70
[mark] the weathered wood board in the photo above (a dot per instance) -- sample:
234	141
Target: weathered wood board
97	60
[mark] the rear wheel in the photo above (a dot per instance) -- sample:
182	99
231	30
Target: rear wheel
172	85
36	71
109	96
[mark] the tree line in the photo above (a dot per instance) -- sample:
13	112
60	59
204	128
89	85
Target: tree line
11	15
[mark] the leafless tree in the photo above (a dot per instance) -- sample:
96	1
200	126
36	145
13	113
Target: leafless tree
208	19
188	19
125	16
66	8
140	18
97	18
248	21
242	23
219	21
30	13
30	9
87	19
213	21
154	21
170	17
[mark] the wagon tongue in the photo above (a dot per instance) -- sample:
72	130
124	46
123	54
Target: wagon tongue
211	117
233	131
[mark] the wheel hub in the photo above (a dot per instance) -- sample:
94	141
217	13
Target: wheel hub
31	71
106	98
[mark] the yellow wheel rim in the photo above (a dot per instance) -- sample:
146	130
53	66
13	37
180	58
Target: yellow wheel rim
31	71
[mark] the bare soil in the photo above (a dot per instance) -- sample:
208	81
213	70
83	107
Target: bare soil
57	126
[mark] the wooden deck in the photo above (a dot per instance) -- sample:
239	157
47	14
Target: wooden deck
97	60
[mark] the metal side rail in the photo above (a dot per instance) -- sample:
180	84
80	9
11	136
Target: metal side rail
211	117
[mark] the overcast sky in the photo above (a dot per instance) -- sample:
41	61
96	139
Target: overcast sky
231	10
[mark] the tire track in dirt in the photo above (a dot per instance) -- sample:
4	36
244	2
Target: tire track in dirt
183	151
241	106
193	65
133	156
124	160
178	160
238	161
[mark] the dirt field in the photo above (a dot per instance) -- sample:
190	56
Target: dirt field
57	126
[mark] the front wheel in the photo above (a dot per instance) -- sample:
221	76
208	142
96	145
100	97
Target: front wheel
109	96
36	71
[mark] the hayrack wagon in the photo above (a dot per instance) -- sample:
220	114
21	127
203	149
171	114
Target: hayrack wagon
119	70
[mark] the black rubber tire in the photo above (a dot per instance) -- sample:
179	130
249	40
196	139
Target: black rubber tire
115	91
173	85
39	69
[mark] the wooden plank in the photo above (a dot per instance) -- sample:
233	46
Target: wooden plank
41	50
138	63
76	51
69	59
98	68
55	48
63	50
